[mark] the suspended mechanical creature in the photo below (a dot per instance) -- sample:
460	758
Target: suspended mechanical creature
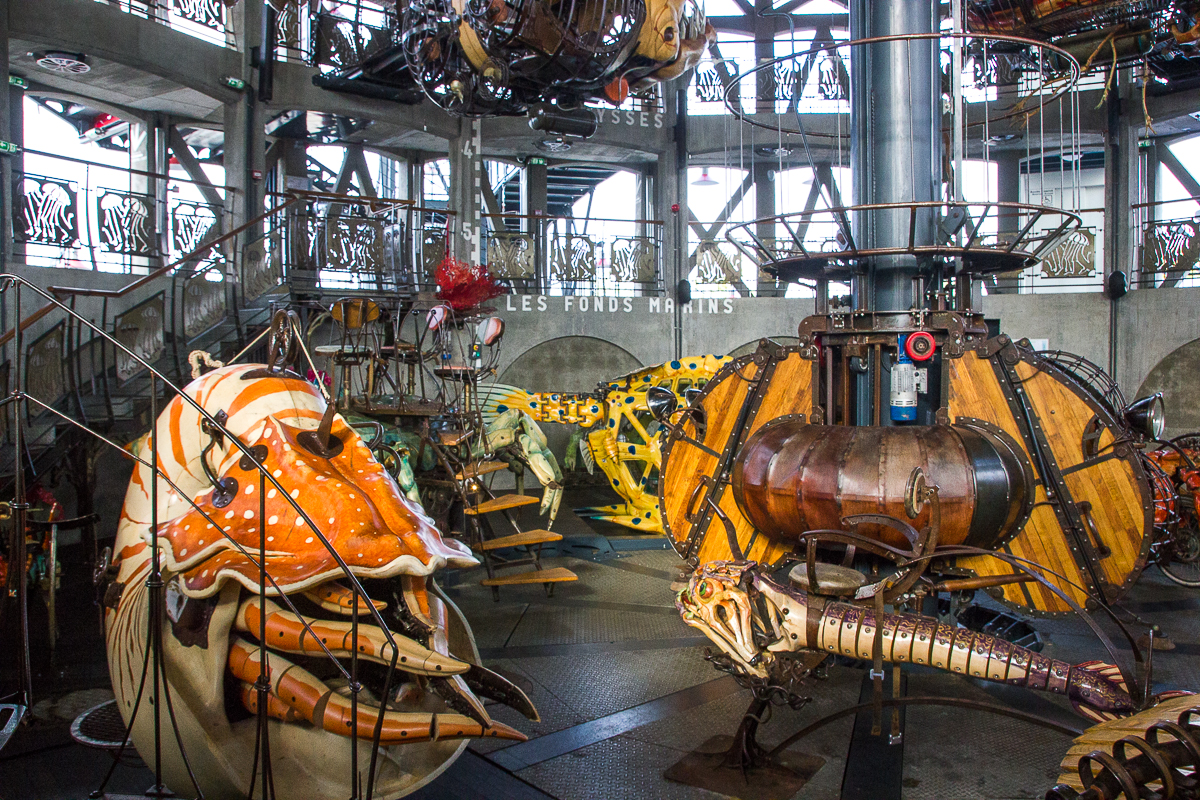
616	430
214	513
498	57
1096	32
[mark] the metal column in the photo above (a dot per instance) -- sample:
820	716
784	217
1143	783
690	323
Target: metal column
896	141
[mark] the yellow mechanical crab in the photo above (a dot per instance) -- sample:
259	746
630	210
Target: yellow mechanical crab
616	430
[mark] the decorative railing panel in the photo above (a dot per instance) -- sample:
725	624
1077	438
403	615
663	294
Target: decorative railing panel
633	259
289	26
262	266
191	223
1171	246
717	263
125	222
707	83
204	301
209	13
433	251
354	244
1073	257
44	365
511	256
141	329
49	211
341	43
573	258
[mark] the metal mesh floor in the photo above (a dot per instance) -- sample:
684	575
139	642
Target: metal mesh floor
593	672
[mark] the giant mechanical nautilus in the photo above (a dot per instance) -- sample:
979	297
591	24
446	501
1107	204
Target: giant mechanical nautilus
214	513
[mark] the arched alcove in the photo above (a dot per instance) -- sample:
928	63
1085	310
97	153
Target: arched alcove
567	364
1177	376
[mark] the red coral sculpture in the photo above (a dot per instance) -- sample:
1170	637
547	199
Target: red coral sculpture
464	286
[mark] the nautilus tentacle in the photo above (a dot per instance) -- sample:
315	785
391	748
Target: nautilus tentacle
303	693
287	634
717	601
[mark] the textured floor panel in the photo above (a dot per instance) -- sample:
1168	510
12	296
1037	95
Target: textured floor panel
492	623
598	684
554	625
960	753
615	769
555	713
600	579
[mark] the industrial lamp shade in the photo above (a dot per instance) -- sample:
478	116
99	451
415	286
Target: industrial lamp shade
662	402
1147	416
704	180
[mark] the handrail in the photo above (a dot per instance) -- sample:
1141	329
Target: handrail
335	197
60	291
549	218
145	279
130	170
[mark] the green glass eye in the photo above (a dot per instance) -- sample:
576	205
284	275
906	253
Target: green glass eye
704	590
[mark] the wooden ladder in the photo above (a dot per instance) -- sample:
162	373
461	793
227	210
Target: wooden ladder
485	541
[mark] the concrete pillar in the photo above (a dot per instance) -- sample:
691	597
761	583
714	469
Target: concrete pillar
535	201
466	192
764	206
293	167
245	142
671	188
764	51
15	165
1122	185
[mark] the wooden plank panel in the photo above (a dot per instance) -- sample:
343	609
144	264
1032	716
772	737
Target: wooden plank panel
685	463
788	392
1111	486
975	391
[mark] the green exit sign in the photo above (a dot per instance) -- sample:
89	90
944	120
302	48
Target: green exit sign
17	80
8	148
537	161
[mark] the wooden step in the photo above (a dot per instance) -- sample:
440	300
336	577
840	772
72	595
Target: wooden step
502	503
536	536
480	469
556	575
453	438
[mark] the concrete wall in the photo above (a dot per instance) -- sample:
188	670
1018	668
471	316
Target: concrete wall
1077	323
645	327
1151	324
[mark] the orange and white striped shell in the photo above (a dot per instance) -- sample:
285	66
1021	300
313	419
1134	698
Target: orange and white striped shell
357	506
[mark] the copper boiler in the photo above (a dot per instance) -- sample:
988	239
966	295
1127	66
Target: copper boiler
791	477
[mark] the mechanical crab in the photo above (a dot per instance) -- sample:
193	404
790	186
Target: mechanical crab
616	430
269	515
1174	468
